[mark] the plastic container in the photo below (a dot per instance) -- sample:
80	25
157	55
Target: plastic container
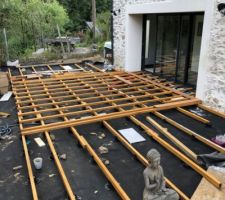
38	163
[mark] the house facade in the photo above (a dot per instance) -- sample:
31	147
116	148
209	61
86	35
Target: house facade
183	40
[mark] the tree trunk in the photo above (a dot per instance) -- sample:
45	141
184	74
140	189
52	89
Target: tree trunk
94	20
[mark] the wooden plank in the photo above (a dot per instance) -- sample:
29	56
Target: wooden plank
220	114
95	68
123	80
179	144
194	116
29	168
141	158
178	154
4	114
190	132
60	168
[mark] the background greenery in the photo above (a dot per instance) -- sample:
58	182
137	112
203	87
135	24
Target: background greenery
28	22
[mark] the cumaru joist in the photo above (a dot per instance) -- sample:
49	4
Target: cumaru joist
29	168
97	159
194	116
190	132
76	122
118	90
141	158
203	107
85	87
55	156
179	144
170	148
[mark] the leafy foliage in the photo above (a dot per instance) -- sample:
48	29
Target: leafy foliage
79	11
29	22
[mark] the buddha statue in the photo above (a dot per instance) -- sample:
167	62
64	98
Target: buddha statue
155	188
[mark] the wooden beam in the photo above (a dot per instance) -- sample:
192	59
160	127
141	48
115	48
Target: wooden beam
220	114
29	168
179	144
194	116
60	125
190	132
123	80
141	158
178	154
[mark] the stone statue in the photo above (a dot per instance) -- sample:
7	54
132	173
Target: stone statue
155	188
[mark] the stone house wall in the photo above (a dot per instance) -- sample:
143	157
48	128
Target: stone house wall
214	86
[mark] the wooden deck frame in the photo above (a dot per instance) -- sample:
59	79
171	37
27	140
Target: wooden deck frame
174	151
124	79
185	112
124	142
141	158
91	151
23	91
56	159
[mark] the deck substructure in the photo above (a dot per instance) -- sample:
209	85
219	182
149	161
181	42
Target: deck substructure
68	100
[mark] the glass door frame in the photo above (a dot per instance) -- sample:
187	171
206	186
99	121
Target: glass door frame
189	45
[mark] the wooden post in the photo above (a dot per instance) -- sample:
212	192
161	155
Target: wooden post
68	44
59	34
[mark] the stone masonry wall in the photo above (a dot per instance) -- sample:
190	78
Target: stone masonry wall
119	28
215	85
214	88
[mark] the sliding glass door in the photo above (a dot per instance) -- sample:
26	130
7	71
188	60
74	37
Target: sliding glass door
172	45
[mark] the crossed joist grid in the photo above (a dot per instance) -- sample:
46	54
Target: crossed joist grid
73	99
87	98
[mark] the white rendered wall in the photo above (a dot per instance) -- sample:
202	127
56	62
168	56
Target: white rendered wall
128	41
134	41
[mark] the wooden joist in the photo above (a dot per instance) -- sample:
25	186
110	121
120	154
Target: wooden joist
190	132
29	169
220	114
178	154
91	91
93	119
141	158
194	116
179	144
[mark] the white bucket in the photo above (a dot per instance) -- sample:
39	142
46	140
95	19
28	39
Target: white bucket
38	163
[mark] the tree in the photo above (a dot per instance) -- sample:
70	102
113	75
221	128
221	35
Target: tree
29	22
94	19
80	11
